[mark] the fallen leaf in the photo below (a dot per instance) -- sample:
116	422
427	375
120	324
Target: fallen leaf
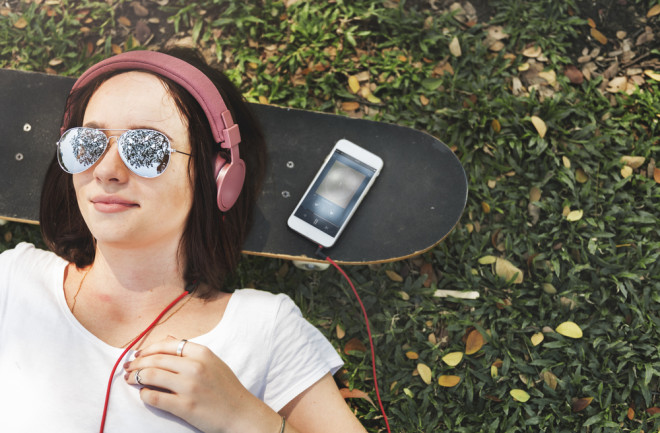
412	355
485	207
633	161
453	359
581	176
474	342
626	171
519	395
493	371
354	344
617	84
487	260
534	194
350	106
598	36
656	175
569	329
566	161
424	100
507	270
653	410
124	21
575	215
540	126
549	289
655	10
394	276
341	333
21	23
581	403
537	338
533	51
574	75
353	84
263	99
425	373
652	74
495	124
455	47
550	379
448	381
355	393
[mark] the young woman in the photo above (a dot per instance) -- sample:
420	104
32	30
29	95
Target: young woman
149	197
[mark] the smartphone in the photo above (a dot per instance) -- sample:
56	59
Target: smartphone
335	193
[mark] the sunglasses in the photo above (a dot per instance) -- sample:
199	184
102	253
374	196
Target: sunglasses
144	151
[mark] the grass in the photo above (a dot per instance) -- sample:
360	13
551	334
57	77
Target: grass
600	271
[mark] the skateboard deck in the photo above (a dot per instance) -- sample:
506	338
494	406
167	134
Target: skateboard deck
415	202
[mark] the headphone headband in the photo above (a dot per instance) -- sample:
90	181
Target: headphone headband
181	72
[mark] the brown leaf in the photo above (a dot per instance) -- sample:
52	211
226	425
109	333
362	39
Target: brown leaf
598	36
21	23
656	175
581	403
431	276
394	276
655	10
448	381
355	393
631	413
124	21
350	106
573	74
653	410
474	342
142	31
550	379
354	344
495	124
139	10
341	333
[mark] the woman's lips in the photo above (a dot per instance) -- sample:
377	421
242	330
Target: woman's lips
112	204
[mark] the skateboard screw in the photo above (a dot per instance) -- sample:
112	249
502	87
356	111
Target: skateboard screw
27	127
19	157
286	194
290	164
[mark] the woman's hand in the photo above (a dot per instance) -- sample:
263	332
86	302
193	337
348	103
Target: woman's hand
198	387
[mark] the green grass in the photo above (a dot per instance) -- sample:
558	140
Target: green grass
600	272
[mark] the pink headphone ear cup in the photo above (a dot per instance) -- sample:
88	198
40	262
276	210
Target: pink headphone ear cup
229	178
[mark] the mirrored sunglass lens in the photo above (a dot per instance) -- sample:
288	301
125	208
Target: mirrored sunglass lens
145	152
79	148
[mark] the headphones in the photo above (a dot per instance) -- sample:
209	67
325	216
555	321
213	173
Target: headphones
229	175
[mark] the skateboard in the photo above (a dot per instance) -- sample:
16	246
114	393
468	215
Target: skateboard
416	201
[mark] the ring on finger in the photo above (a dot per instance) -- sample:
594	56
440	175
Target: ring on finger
137	377
179	349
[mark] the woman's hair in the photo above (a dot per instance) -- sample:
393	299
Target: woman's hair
212	241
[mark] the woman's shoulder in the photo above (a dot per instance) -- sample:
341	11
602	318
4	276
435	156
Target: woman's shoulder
27	256
262	302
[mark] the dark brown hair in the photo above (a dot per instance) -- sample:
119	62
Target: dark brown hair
212	241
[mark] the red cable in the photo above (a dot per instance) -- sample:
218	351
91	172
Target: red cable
138	338
371	342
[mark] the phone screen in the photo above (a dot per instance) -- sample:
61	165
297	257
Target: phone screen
335	192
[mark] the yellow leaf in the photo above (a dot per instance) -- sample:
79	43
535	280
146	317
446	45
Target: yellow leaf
540	126
353	84
549	76
263	99
453	359
569	329
485	207
566	162
581	176
519	395
474	342
495	124
448	381
575	215
653	74
424	100
533	51
626	171
537	338
394	276
633	161
425	373
487	260
412	355
21	23
550	379
523	67
655	10
455	47
549	289
341	333
534	194
493	371
581	403
507	270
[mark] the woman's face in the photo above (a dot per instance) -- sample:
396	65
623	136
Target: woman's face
120	207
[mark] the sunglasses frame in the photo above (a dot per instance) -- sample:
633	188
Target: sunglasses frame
170	149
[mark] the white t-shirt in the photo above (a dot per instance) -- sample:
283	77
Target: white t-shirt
54	373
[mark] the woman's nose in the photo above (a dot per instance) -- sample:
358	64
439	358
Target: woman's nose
110	167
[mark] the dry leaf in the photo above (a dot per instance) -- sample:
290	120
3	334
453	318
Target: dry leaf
507	270
487	260
598	36
550	379
549	289
21	23
394	276
549	76
519	395
485	207
581	403
353	84
474	342
569	329
533	51
656	175
455	47
412	355
537	338
566	161
124	21
653	410
540	126
495	124
354	344
355	393
655	10
631	411
424	100
626	171
448	381
575	215
425	373
350	106
633	161
575	76
341	333
581	176
652	74
453	359
617	84
534	194
263	99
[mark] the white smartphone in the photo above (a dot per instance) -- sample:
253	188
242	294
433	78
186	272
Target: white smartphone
335	193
